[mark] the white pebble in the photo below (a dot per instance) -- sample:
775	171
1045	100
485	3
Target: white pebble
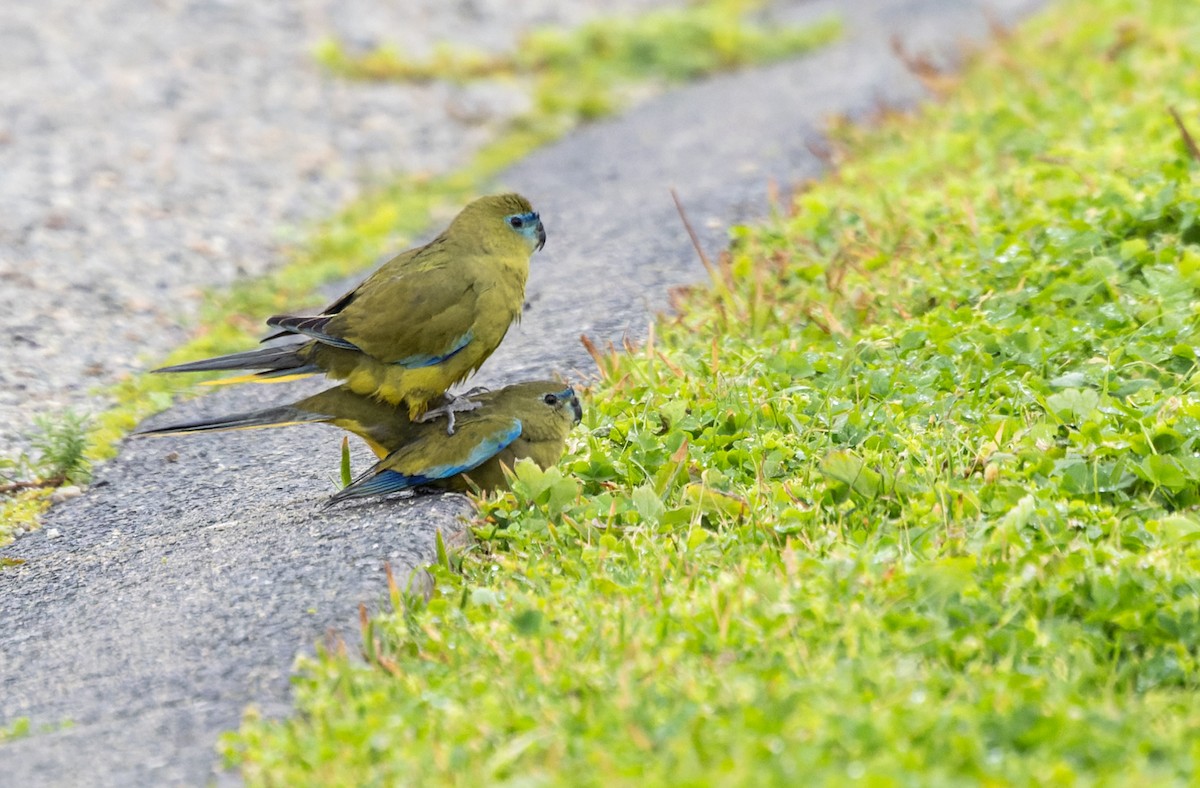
65	494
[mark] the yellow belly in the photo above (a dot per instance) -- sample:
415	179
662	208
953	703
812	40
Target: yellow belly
416	388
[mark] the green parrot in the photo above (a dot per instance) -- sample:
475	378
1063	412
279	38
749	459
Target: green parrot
424	321
526	420
522	420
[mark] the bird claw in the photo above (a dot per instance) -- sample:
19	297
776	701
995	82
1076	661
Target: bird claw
455	405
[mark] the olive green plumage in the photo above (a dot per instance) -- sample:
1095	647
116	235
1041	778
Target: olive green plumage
528	420
524	420
426	320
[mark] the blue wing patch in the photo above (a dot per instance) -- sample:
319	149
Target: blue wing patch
389	481
488	447
430	359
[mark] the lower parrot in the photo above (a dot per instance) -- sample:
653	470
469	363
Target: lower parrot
523	420
424	321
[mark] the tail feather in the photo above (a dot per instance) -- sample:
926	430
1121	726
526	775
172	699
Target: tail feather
309	325
269	376
381	483
270	417
287	359
384	427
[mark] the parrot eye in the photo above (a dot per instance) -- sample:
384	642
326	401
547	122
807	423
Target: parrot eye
550	399
517	222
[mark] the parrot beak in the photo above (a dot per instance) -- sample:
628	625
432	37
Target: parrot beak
541	236
576	408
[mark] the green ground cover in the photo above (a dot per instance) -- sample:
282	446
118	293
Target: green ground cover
922	509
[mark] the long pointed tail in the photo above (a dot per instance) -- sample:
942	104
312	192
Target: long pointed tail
274	362
270	417
384	427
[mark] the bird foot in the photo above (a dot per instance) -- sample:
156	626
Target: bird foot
455	405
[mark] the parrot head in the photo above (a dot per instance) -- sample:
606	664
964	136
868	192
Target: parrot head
547	407
565	402
529	225
495	216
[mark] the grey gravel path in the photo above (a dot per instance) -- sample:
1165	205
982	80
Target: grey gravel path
180	587
149	150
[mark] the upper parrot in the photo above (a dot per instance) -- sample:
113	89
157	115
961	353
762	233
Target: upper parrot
523	420
425	320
